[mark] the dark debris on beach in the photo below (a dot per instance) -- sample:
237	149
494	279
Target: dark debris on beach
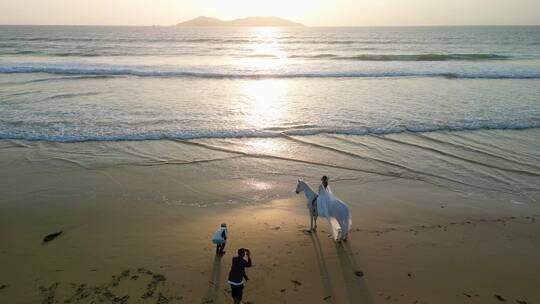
51	236
500	298
359	273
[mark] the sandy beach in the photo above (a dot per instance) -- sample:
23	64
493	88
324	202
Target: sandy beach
136	224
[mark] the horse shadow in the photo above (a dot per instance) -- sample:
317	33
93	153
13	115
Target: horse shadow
214	284
355	284
325	278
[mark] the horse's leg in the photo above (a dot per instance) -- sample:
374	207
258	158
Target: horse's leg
345	229
342	231
315	219
310	220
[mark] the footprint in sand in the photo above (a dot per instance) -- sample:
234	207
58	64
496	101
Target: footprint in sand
113	291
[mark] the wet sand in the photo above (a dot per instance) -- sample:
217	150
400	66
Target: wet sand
139	231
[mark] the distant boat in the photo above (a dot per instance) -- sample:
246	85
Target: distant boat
248	21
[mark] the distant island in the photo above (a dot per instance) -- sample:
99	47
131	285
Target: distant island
248	21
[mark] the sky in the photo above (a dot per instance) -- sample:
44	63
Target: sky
309	12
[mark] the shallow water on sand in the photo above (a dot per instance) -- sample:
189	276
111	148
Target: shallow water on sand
496	164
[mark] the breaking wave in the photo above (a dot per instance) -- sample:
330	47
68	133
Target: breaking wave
143	72
424	57
265	133
408	57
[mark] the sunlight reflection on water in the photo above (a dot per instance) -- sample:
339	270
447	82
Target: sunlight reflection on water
266	102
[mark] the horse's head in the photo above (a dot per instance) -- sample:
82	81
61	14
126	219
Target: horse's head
299	186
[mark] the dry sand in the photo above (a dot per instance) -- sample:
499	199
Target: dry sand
412	241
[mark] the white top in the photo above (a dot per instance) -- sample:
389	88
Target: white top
217	236
236	284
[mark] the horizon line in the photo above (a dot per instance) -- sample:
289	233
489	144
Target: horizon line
175	25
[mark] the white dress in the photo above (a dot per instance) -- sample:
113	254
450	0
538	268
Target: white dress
336	211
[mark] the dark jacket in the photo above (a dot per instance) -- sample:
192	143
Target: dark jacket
238	271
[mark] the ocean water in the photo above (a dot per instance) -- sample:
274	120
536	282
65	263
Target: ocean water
449	105
110	83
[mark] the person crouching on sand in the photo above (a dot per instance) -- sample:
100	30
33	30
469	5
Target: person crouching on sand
220	238
237	275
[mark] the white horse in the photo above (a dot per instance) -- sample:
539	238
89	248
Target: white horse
328	206
311	202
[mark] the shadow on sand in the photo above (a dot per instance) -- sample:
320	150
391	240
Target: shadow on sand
357	291
356	287
213	282
325	278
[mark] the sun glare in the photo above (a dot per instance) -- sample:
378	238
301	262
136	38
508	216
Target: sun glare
282	8
265	101
266	53
265	105
268	43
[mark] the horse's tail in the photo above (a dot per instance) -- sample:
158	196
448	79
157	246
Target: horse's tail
346	223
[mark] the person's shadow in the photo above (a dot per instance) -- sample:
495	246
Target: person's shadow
214	282
355	283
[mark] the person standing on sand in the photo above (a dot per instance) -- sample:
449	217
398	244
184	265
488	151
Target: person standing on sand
220	238
237	275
